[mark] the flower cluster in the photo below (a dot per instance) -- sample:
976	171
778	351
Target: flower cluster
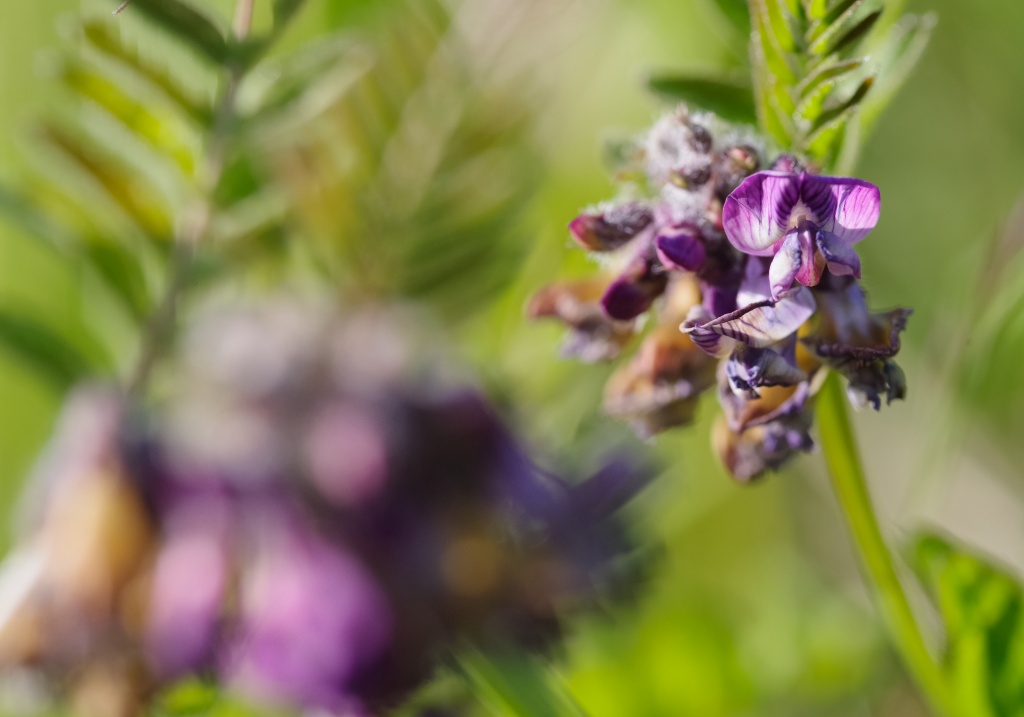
313	517
732	257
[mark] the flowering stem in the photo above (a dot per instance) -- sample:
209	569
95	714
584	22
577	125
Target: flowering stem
844	466
158	330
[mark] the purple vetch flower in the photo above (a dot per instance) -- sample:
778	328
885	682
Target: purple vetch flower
72	586
807	222
190	580
310	616
771	257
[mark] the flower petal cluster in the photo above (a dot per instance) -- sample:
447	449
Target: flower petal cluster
755	267
315	515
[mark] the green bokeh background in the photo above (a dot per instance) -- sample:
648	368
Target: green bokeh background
754	605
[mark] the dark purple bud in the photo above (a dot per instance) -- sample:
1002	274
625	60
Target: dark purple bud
681	247
609	230
630	295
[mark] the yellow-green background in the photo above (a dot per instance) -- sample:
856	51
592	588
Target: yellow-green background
755	605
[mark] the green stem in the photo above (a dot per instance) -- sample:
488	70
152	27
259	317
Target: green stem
844	466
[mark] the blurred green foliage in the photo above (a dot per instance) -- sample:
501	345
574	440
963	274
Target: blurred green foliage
754	605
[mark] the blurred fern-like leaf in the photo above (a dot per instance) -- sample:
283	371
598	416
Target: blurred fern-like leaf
983	611
118	181
400	162
415	165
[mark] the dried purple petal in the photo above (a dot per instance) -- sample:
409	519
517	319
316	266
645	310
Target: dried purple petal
611	229
857	343
755	436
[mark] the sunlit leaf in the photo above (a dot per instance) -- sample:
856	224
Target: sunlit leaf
187	698
123	188
839	37
408	173
983	610
731	100
159	131
114	264
827	74
832	19
103	38
835	112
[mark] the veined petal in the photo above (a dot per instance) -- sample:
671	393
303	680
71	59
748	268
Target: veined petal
757	213
759	324
847	207
841	258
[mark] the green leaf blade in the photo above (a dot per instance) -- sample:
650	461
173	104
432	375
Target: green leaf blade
43	350
194	28
733	101
982	607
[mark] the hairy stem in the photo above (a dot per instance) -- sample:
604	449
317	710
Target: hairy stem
844	466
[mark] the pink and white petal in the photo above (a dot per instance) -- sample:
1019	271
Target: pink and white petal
756	215
763	323
855	205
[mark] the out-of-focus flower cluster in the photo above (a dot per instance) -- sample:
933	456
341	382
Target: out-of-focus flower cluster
314	516
712	251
